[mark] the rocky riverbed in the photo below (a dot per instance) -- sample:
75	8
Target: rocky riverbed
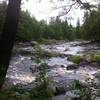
61	70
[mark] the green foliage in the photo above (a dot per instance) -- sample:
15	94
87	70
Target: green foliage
77	84
92	57
85	91
76	59
41	53
12	95
78	30
42	90
31	29
97	57
91	27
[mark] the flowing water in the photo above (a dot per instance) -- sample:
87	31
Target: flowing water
20	65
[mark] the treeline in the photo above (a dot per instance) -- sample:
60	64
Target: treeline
31	29
91	26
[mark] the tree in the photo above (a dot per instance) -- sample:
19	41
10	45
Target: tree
8	36
77	31
3	7
91	26
27	27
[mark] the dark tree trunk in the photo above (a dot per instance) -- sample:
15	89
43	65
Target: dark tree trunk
8	37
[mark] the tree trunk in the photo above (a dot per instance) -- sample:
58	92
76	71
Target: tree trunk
8	37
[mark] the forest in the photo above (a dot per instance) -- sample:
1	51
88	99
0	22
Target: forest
49	60
56	28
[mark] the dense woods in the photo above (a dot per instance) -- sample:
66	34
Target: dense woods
31	29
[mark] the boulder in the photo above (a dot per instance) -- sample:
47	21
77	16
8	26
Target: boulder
33	43
62	86
97	75
7	84
63	66
72	67
73	95
97	98
26	51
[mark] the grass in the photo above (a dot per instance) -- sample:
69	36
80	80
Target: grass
85	91
41	53
76	59
97	57
92	57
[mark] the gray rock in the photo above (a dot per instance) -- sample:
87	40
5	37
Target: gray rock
7	84
27	87
62	86
97	75
73	94
26	51
33	43
72	67
58	97
63	66
97	98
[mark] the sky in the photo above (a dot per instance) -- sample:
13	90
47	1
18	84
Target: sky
44	10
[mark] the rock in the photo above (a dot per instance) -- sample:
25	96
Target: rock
62	86
73	95
33	69
63	66
97	75
72	67
33	43
7	84
58	97
66	49
97	98
26	51
27	87
33	58
23	44
52	87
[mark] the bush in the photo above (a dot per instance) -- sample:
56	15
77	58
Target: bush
42	90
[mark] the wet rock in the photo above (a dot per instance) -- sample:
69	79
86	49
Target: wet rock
26	51
27	87
59	97
33	69
8	84
62	86
33	58
97	75
66	49
72	67
33	43
63	66
97	98
21	44
73	94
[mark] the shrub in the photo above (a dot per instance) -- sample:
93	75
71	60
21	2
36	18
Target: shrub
42	90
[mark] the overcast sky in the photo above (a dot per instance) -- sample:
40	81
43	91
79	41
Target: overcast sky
44	10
